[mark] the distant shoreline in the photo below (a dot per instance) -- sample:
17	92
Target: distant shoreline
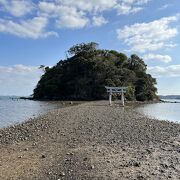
168	101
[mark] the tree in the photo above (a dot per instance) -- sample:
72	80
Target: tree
44	68
136	64
89	47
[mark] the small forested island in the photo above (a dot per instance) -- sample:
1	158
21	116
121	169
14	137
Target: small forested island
85	73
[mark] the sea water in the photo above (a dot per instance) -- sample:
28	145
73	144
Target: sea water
163	111
14	110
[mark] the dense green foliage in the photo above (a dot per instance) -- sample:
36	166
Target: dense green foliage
85	74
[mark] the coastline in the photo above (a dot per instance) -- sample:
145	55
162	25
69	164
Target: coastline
90	141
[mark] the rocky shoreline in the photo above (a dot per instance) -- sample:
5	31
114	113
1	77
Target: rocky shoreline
90	141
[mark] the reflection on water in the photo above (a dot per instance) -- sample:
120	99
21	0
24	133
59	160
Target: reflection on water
17	110
162	111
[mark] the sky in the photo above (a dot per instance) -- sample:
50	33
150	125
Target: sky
39	32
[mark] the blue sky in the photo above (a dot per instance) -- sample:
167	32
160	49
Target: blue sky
40	32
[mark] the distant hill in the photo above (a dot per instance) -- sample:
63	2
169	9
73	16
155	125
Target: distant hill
170	97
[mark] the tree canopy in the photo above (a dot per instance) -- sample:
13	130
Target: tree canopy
84	75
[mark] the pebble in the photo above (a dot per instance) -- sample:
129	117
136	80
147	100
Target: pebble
140	177
62	174
43	156
148	151
137	164
85	159
178	150
34	144
92	167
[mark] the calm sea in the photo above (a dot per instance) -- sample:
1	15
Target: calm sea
15	110
162	111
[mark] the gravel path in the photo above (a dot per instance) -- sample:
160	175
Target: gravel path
90	141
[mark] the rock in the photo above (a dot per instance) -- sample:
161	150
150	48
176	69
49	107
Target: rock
69	154
67	159
140	177
178	150
137	164
123	149
169	176
43	156
162	171
85	159
92	167
172	166
62	174
133	163
148	151
164	165
62	134
34	144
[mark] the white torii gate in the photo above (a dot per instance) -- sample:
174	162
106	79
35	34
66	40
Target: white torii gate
119	90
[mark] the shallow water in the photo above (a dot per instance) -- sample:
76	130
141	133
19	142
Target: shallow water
16	110
162	111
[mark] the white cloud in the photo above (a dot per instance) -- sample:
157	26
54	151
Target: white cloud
78	14
18	79
33	28
71	18
141	2
157	57
98	21
142	37
168	71
73	14
124	9
74	22
17	7
70	14
165	6
66	17
90	6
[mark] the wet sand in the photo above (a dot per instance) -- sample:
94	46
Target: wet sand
91	141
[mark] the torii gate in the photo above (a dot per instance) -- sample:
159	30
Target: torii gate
117	90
